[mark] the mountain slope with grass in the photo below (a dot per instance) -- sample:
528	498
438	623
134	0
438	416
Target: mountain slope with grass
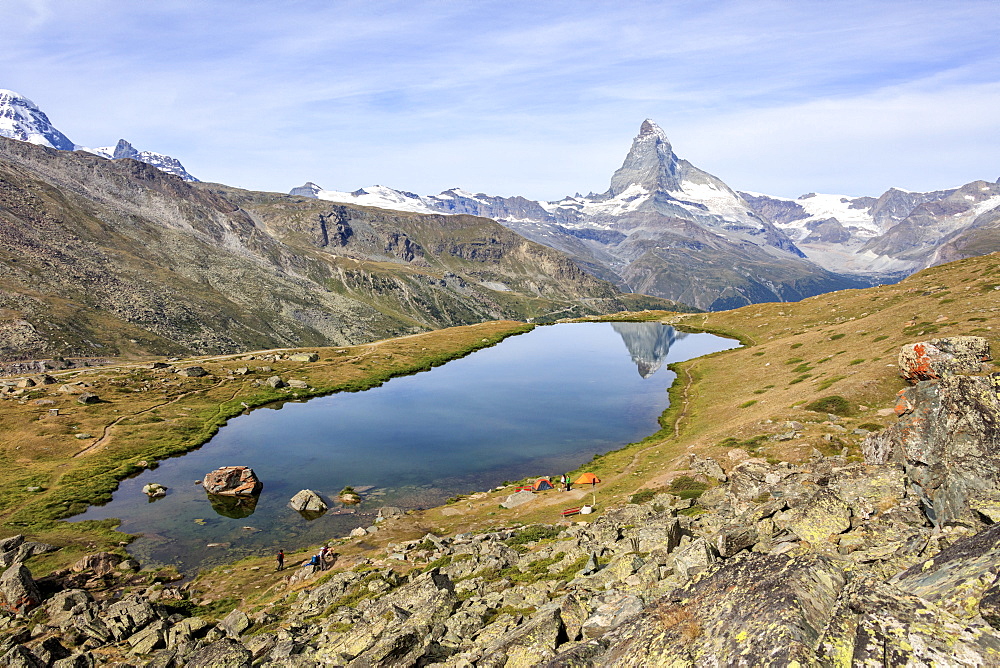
116	258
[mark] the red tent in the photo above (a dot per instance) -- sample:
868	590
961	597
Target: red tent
587	479
542	484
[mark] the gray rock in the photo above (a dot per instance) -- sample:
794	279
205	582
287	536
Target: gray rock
528	644
517	499
276	382
224	653
308	501
235	623
77	660
937	358
817	520
18	592
388	512
193	372
20	656
150	638
693	559
591	566
877	624
304	357
101	563
989	604
125	617
64	604
612	613
298	384
948	440
754	610
88	398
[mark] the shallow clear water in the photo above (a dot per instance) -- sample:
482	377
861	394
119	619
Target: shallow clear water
537	404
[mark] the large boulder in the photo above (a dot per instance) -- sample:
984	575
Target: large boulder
225	653
754	610
18	592
517	499
877	624
948	440
308	501
937	358
960	577
232	481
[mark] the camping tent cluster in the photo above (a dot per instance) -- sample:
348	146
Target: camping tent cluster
543	484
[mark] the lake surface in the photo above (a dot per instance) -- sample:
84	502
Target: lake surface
537	404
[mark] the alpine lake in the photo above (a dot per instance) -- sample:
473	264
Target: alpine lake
538	404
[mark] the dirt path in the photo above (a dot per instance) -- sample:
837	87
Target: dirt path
106	434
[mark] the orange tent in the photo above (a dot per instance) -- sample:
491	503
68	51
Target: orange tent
587	479
542	484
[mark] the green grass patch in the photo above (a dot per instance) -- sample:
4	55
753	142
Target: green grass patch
829	381
748	404
645	495
833	404
687	487
533	533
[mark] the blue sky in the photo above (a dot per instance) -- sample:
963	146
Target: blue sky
534	98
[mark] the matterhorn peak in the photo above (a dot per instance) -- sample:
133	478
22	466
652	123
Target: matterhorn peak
650	163
650	128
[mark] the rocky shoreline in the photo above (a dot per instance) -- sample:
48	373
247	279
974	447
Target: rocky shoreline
889	561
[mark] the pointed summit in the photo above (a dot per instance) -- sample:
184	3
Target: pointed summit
648	127
650	163
21	119
124	150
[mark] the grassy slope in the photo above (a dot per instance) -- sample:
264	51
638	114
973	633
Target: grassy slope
842	344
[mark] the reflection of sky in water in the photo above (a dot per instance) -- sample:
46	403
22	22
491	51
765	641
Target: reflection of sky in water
537	404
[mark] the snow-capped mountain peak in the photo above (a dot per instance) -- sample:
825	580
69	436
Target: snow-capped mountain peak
123	150
21	119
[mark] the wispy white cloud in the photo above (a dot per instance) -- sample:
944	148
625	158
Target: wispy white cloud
516	97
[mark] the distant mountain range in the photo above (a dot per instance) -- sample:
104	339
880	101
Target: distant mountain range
117	258
21	119
667	228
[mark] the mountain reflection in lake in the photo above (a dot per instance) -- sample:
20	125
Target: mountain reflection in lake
648	343
542	403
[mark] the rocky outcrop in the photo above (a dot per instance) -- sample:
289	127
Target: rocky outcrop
947	437
232	481
937	358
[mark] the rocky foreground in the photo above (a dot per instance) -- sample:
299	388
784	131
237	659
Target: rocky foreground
893	560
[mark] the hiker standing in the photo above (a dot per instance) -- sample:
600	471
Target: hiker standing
322	558
280	558
566	481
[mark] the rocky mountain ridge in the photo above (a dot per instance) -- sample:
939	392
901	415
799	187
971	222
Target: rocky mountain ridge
667	228
21	119
106	258
740	561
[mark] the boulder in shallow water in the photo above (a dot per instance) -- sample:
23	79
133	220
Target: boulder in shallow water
308	501
232	481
